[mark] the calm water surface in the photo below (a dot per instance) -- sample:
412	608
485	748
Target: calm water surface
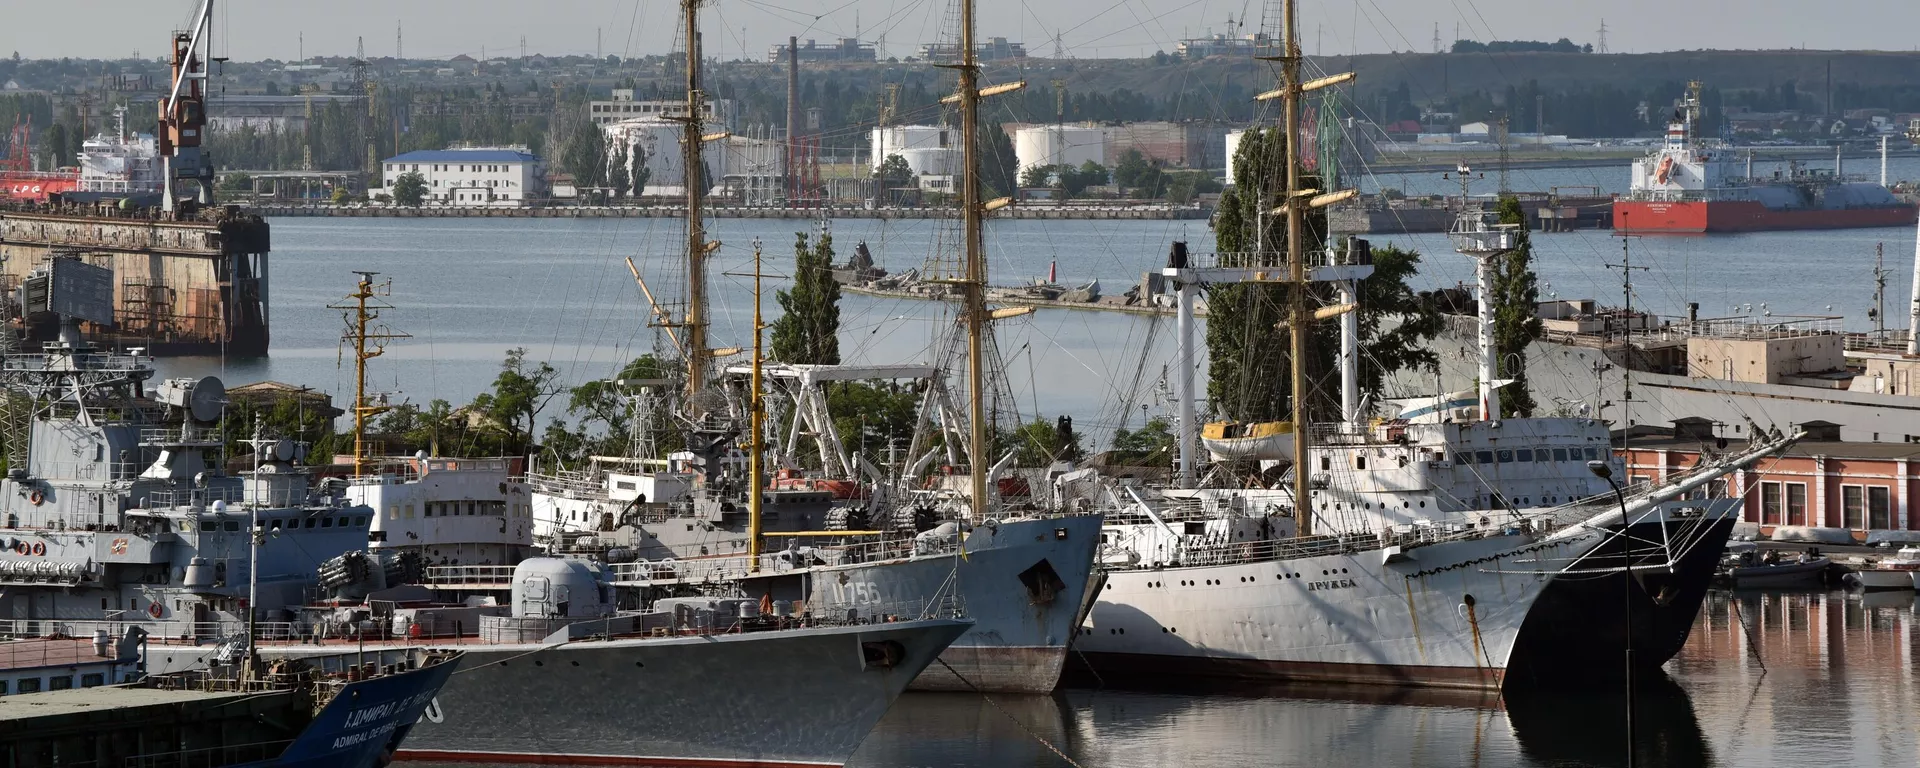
1791	680
468	290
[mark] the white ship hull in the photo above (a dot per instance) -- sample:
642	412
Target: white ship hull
1443	615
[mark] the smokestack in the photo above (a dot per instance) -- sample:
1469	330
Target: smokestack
793	106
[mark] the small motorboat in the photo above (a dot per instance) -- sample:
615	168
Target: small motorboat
1902	571
1768	570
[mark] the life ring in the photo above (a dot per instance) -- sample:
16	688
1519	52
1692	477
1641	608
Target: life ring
154	610
36	497
39	549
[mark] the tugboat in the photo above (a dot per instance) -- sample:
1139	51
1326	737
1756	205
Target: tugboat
1693	185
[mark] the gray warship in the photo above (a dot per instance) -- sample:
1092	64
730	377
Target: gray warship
566	676
117	506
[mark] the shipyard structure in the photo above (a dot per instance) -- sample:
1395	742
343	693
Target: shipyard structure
193	282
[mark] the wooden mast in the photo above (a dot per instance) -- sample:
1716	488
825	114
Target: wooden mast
695	339
975	284
1296	261
756	480
366	346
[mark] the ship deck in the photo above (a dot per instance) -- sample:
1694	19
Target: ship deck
23	707
38	652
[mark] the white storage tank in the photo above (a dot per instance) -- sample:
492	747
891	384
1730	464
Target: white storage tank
660	140
928	149
1072	145
1233	151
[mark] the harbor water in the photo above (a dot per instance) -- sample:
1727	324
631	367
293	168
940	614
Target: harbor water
468	290
1767	679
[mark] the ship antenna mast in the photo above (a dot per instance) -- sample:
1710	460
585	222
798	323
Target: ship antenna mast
369	341
757	406
973	285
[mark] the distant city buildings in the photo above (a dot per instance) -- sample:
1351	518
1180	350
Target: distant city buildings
845	49
623	106
995	49
269	114
470	176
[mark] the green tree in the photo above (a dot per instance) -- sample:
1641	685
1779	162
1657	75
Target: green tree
1152	443
871	416
808	330
520	392
999	168
234	185
1516	322
341	195
585	155
1036	176
619	176
1040	443
1249	375
894	173
639	174
409	189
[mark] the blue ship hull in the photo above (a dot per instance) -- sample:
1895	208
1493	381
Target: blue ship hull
365	722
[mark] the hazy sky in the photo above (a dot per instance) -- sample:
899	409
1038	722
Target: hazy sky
257	29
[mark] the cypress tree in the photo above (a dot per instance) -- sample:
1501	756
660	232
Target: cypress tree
808	330
1515	322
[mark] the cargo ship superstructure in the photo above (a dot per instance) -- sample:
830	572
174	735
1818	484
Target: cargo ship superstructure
1692	185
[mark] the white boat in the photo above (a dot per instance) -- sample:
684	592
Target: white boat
1902	571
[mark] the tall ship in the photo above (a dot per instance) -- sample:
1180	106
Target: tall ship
710	520
1437	545
1691	184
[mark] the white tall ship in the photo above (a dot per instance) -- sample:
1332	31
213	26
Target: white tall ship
1423	549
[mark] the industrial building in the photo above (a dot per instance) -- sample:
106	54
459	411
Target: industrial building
995	49
271	114
499	176
1195	144
1256	44
845	49
929	150
658	140
623	106
1071	145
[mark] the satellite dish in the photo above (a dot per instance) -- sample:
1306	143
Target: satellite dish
209	399
219	506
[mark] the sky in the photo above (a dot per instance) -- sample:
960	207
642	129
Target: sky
260	29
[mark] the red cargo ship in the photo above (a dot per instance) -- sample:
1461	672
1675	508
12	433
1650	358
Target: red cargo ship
18	179
1690	185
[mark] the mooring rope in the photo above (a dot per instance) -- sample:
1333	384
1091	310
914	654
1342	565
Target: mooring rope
1016	721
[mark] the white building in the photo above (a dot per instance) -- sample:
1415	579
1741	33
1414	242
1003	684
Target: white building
624	107
497	176
1070	145
930	150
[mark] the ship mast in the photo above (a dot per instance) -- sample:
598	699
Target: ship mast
369	341
695	346
1297	274
756	482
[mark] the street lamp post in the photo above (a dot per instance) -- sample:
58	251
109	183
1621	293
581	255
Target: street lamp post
1601	470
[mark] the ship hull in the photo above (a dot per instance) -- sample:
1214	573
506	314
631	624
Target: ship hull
1442	615
1655	217
784	698
1021	582
1576	630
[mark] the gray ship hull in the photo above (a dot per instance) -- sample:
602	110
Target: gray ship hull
1021	582
797	697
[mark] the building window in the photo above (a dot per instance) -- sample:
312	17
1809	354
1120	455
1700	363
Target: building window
1879	507
30	685
90	680
1796	503
1770	503
61	683
1853	506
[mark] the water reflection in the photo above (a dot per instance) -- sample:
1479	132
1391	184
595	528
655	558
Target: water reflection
1765	679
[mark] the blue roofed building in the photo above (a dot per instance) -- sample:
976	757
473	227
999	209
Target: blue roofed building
473	176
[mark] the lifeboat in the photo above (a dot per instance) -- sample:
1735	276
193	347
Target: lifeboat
1234	441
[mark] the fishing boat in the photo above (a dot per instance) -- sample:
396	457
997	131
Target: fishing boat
1895	572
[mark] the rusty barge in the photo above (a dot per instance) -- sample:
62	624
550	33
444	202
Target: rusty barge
191	282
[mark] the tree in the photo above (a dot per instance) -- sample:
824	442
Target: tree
1249	375
999	168
871	416
409	189
1039	443
585	155
1516	322
808	330
1152	443
894	173
1036	176
618	177
235	184
519	393
341	195
639	174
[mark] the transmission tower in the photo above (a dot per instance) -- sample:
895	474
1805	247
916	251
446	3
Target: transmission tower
1601	45
398	50
1436	37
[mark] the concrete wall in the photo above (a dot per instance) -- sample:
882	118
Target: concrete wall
1764	360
